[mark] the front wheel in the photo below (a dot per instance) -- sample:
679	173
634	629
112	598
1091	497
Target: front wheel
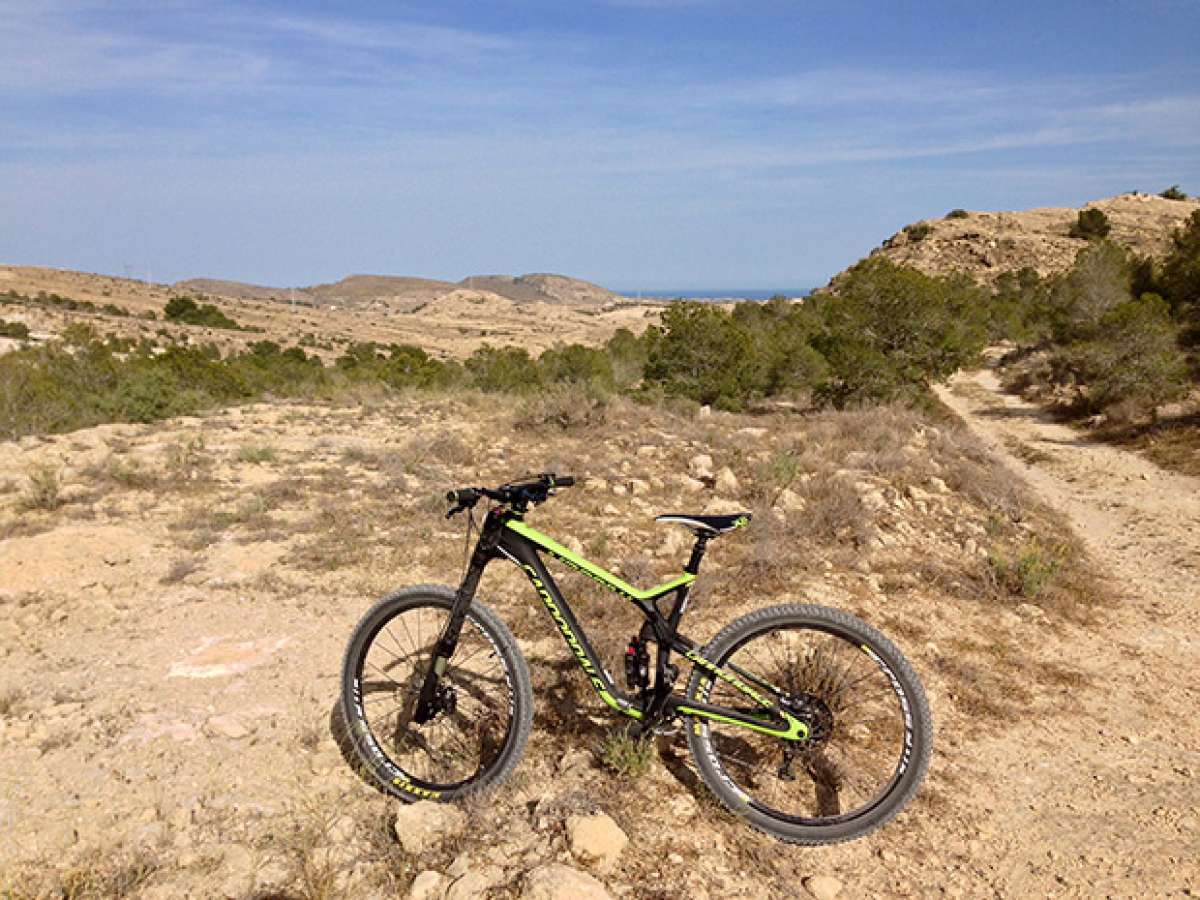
871	733
482	711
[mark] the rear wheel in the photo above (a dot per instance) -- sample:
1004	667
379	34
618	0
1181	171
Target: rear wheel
871	732
483	709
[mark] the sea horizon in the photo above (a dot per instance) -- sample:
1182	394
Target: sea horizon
717	293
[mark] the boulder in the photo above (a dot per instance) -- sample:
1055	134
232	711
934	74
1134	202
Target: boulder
425	824
558	882
596	838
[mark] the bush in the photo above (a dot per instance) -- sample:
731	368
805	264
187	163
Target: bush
566	406
957	214
704	354
1100	280
187	311
1090	225
1173	193
509	369
18	330
891	330
1179	277
576	364
1132	360
918	232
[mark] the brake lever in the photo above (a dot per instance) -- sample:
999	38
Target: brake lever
456	510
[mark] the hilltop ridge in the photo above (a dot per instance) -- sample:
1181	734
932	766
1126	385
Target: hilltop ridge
985	245
403	293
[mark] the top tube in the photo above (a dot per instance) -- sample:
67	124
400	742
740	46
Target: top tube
605	577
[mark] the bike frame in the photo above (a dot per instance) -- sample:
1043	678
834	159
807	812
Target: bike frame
505	534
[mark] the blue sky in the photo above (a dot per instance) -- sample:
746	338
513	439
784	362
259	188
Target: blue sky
638	143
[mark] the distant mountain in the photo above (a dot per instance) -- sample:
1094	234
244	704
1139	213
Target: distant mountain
402	292
987	244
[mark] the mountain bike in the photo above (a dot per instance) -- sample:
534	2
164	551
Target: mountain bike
803	720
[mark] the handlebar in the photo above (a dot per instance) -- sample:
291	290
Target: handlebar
517	493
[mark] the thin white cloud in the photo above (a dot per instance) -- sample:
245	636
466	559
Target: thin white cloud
425	40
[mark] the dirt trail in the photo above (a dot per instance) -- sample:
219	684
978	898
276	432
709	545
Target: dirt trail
1106	803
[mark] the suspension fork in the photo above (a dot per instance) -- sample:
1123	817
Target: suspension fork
485	552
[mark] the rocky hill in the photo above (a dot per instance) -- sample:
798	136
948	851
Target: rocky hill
403	293
446	319
987	244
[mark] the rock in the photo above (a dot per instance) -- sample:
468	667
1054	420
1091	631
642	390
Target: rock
639	487
428	885
689	484
917	495
823	887
227	726
620	490
647	451
424	824
727	482
596	838
704	412
938	486
701	465
574	760
475	883
610	510
572	543
558	882
790	501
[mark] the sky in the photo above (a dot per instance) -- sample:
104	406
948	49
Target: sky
638	143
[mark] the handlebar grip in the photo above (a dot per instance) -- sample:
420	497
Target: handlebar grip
564	480
462	495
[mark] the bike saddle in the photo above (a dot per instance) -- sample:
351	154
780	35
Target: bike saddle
710	526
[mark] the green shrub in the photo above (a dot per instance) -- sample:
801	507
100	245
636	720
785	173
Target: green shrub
627	756
1173	193
957	214
704	354
1132	360
576	364
892	330
18	330
1090	225
1028	574
509	369
918	231
1100	280
187	311
1179	276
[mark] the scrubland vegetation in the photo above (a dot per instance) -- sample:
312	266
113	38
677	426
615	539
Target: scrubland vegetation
1116	335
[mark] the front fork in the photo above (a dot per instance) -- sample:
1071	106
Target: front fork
427	705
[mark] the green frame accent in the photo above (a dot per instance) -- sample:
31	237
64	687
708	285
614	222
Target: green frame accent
606	578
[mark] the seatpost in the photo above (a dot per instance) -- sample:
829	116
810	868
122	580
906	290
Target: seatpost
693	566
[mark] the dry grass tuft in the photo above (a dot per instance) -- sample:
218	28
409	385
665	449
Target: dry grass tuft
43	488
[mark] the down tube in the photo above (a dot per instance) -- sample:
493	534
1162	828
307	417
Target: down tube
531	564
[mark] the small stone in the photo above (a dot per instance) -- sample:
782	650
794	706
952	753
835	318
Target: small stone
620	490
646	451
558	882
823	887
701	465
704	412
790	501
690	484
424	824
574	760
227	726
596	838
639	487
428	885
938	486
